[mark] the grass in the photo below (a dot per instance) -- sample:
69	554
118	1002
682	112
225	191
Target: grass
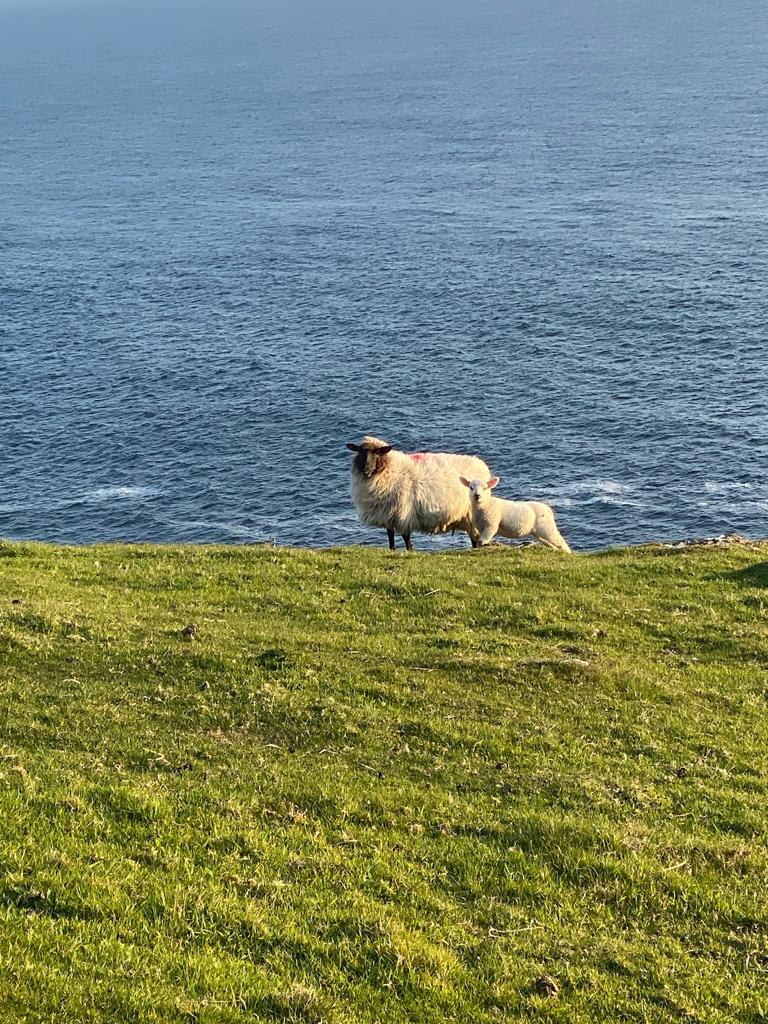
368	788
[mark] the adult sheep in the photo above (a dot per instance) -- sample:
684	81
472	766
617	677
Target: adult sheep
421	492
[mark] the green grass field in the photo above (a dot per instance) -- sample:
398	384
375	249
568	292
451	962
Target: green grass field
372	788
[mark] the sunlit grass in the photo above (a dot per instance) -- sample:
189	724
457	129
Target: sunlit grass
367	788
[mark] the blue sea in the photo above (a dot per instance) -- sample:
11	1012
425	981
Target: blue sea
234	237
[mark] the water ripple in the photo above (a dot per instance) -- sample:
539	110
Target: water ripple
229	250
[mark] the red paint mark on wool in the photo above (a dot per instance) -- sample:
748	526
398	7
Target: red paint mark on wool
418	456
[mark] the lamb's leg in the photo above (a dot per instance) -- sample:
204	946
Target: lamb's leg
547	532
391	539
407	539
475	540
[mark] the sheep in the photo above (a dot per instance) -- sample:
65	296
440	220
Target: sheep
492	515
406	493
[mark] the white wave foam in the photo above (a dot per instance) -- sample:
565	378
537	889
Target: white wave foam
621	500
613	487
749	507
587	492
593	491
598	486
725	486
121	493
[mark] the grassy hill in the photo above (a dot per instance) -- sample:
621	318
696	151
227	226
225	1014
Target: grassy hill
245	785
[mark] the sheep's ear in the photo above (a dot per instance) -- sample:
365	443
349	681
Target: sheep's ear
385	450
493	482
465	481
353	447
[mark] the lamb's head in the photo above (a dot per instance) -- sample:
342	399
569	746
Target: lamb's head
480	490
370	456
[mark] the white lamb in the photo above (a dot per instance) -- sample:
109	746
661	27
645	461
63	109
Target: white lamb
492	516
408	493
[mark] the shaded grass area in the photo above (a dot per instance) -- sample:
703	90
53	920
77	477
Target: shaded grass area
345	786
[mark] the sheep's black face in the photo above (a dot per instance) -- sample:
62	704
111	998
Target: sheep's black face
366	462
369	461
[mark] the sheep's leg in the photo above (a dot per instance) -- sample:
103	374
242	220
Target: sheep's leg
475	541
391	539
407	539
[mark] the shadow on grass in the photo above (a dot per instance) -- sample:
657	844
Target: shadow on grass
751	576
46	903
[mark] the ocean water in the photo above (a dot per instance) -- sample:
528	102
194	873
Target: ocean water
234	237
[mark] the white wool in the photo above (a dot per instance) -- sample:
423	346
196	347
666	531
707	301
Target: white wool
417	493
494	516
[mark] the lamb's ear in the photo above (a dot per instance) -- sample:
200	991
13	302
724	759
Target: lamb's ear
353	447
465	481
493	482
384	450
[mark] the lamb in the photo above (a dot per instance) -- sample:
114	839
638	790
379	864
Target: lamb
493	516
407	493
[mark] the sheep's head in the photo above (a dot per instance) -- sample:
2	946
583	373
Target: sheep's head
370	456
479	490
